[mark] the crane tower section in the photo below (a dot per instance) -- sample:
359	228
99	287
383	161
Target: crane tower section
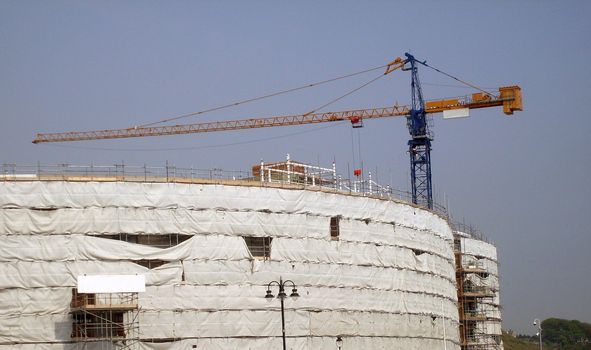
419	146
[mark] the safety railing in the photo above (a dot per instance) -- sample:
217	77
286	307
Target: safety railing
304	175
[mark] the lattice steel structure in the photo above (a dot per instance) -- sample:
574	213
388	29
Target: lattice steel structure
110	320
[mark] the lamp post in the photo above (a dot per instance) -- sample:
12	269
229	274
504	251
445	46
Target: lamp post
281	295
339	342
538	323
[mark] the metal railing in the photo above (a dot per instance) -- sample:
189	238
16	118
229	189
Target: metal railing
311	177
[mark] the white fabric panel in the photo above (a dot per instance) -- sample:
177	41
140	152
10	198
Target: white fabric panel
37	328
338	252
63	346
111	220
312	343
490	266
237	297
301	323
375	232
187	297
364	324
475	247
321	275
58	194
24	274
384	343
265	343
165	324
77	247
40	301
492	328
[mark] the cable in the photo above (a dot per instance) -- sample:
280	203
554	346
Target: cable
263	97
345	95
457	79
198	147
453	86
353	146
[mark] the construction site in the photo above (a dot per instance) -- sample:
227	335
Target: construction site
144	257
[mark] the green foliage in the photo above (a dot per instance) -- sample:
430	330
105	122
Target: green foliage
523	343
568	335
557	334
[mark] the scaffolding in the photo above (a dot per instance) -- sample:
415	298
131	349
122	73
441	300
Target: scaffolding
478	313
108	320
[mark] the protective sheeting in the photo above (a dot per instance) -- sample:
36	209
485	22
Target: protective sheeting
36	328
301	323
241	323
311	274
475	247
483	255
80	247
39	301
31	302
96	221
111	220
374	343
387	283
491	266
395	235
61	194
490	328
218	247
261	343
308	250
26	274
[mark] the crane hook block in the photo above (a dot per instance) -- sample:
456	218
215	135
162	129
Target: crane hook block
356	122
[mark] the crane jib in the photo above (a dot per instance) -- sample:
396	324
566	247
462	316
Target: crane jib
509	98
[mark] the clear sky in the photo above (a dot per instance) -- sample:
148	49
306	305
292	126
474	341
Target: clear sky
523	180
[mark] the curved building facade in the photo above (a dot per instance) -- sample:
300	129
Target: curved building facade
378	273
478	293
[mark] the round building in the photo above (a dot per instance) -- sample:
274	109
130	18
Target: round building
378	273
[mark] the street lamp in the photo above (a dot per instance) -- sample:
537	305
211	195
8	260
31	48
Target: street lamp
339	342
539	324
281	295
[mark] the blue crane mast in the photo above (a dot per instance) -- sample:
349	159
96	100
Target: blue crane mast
419	146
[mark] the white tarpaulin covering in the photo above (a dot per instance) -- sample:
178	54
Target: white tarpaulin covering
59	194
387	283
481	255
478	248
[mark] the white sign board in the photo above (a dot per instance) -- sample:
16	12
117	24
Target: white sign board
456	113
111	284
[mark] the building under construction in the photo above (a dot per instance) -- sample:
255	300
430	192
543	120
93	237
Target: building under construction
165	258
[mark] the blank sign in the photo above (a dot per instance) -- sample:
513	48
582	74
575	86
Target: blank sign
111	284
456	113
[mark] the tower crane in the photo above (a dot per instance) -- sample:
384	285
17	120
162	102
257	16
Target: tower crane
508	97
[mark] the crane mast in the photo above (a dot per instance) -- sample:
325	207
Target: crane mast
419	146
